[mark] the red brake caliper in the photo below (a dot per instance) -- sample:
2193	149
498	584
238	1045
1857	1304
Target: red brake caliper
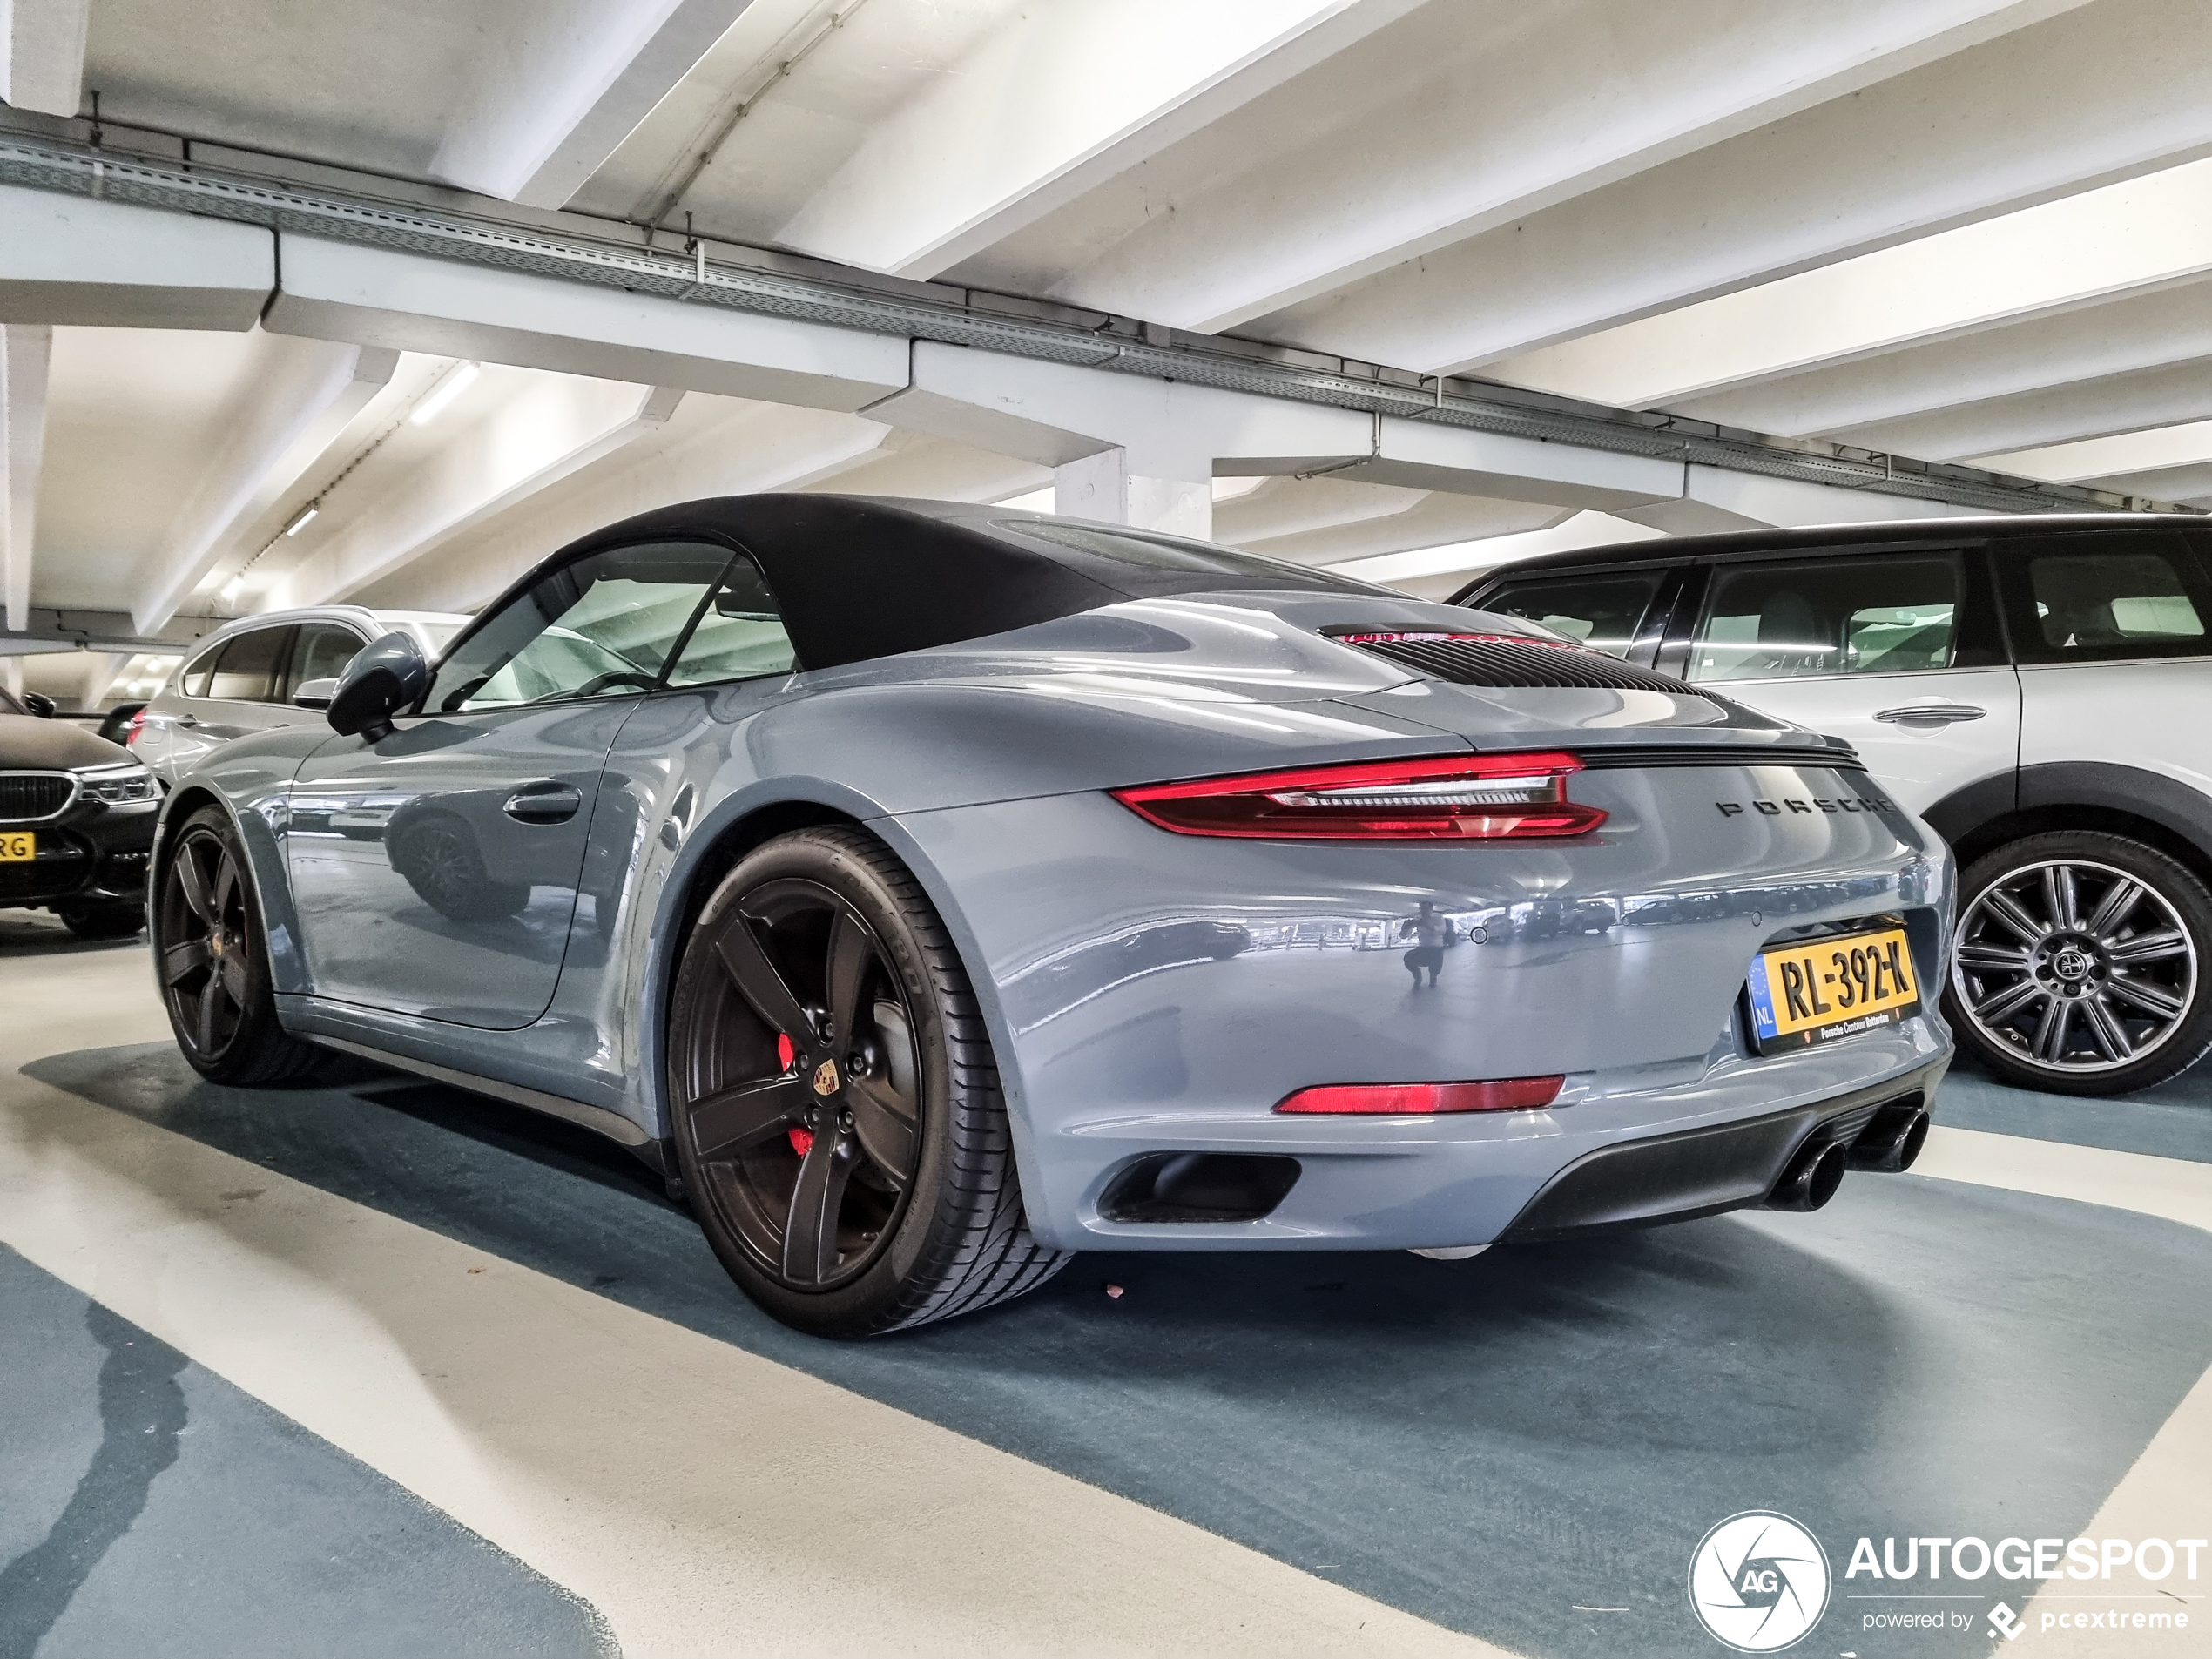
802	1140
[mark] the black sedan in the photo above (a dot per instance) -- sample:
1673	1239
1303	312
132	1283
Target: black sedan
77	817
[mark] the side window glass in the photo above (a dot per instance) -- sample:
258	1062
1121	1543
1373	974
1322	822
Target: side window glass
250	666
2092	598
739	636
1604	612
1891	615
603	625
193	681
321	652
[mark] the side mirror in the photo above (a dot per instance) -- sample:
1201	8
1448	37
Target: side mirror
39	704
314	694
384	678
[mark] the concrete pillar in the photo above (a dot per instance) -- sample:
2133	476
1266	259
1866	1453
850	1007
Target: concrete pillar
1102	487
11	674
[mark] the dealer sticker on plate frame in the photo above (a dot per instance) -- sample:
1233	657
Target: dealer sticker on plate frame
1822	990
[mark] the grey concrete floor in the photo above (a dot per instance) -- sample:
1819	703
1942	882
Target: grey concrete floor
1522	1447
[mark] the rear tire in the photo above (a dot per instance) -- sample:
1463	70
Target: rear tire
213	964
106	921
835	1107
2080	964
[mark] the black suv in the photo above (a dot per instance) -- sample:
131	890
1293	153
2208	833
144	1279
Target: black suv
2039	688
76	816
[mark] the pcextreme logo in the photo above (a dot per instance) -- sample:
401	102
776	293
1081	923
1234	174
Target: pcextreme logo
1758	1581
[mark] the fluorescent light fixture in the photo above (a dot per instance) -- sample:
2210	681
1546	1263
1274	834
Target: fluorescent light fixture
457	381
232	588
306	516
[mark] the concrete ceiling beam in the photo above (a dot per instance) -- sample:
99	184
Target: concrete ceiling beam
2095	95
2130	332
2168	395
306	391
542	436
42	54
103	263
1436	132
1713	499
371	296
751	447
1061	99
554	94
26	350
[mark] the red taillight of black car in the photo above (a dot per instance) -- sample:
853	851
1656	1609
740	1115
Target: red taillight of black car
1458	798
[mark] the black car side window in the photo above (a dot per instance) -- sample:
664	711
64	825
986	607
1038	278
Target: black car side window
2104	597
739	636
1888	614
1605	612
601	626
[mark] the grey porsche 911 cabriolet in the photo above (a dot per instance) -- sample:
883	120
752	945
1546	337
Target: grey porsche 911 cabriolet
932	891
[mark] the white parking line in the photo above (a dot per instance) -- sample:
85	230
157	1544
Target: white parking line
2166	1494
704	1500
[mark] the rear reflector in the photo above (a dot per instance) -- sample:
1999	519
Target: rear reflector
1447	797
1424	1100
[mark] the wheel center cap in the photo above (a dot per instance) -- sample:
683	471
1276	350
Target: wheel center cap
826	1078
2071	964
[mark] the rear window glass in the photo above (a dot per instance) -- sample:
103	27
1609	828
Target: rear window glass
250	666
1604	612
2089	604
1135	552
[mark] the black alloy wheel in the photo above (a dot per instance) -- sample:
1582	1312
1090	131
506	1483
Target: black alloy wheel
836	1113
214	975
2079	961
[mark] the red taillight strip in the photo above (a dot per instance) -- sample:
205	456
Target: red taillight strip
1498	798
1425	1100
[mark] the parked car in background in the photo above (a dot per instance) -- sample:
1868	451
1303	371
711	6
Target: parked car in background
2039	688
933	890
77	817
251	675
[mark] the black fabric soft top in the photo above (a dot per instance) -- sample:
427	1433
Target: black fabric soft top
859	577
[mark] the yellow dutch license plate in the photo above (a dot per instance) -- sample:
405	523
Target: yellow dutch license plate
17	846
1826	989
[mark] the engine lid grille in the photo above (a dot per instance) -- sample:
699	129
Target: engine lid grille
1499	661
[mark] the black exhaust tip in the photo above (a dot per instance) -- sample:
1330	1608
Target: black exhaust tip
1811	1178
1893	1140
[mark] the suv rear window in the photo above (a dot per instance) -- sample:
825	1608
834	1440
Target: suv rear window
250	666
1604	612
1893	615
2106	597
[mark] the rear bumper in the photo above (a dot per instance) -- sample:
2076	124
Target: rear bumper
1701	1171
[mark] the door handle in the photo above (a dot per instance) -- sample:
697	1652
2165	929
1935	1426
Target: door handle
186	719
543	804
1932	713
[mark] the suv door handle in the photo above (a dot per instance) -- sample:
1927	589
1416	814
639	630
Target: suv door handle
1931	713
543	804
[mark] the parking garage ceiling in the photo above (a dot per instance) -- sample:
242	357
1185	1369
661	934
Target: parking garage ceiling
1958	231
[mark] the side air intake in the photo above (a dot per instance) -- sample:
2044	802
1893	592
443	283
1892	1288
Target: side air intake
1501	661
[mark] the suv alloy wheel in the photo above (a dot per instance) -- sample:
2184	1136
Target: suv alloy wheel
2080	963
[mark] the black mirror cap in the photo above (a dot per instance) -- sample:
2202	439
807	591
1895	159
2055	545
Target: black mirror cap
39	704
384	678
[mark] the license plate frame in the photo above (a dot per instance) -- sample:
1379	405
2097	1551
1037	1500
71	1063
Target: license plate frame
18	847
1814	992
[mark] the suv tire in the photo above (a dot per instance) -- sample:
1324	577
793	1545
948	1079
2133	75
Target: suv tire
833	1100
212	963
2080	964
